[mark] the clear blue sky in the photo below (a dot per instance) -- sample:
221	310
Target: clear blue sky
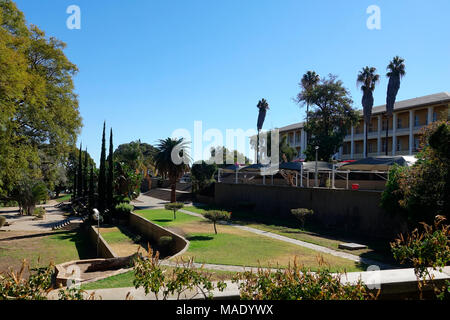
150	67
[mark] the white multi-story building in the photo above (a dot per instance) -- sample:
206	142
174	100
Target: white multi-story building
409	117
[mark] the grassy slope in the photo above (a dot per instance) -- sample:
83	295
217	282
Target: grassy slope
237	247
58	247
376	250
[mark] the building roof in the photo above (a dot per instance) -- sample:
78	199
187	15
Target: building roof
437	98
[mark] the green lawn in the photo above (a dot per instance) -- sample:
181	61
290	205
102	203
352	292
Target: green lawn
63	198
232	246
122	240
164	217
377	250
61	246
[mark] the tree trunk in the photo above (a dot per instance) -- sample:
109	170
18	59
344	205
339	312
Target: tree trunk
365	139
173	195
215	229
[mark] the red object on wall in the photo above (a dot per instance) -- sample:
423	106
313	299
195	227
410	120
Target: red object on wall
355	186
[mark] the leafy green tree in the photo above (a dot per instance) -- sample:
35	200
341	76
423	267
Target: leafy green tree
175	206
227	154
202	175
168	150
396	72
426	185
28	193
217	215
39	118
331	118
308	81
367	79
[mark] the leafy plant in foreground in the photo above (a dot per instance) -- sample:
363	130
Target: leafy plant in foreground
426	251
177	282
298	283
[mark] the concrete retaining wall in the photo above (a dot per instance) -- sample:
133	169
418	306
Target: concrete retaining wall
154	232
104	249
356	211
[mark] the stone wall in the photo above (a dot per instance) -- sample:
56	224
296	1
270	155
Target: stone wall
154	232
104	249
355	211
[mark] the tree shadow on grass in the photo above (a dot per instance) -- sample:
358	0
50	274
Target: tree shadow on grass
80	237
163	220
199	238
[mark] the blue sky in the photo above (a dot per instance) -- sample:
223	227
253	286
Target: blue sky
150	67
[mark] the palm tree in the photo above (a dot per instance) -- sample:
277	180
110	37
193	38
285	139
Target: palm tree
309	80
263	106
167	165
396	71
367	79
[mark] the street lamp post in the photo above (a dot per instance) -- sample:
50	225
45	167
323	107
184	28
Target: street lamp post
97	217
316	184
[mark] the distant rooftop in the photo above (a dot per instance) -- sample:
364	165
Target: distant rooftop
431	99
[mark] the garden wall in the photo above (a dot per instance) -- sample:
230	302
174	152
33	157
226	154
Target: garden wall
104	249
356	211
153	232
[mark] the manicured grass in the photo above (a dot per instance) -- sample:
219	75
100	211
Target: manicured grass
290	228
62	246
125	280
122	240
64	198
232	246
164	217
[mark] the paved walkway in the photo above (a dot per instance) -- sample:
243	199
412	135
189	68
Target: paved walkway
304	244
146	202
27	223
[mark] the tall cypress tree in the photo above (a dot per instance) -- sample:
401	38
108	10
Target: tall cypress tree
75	179
91	200
102	176
109	188
85	175
80	175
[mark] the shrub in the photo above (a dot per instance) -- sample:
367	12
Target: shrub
165	244
217	215
298	283
123	209
39	212
301	214
181	279
2	221
392	195
174	206
429	249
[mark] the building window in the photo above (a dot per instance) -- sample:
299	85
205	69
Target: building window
297	137
370	148
434	116
399	123
416	120
399	145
